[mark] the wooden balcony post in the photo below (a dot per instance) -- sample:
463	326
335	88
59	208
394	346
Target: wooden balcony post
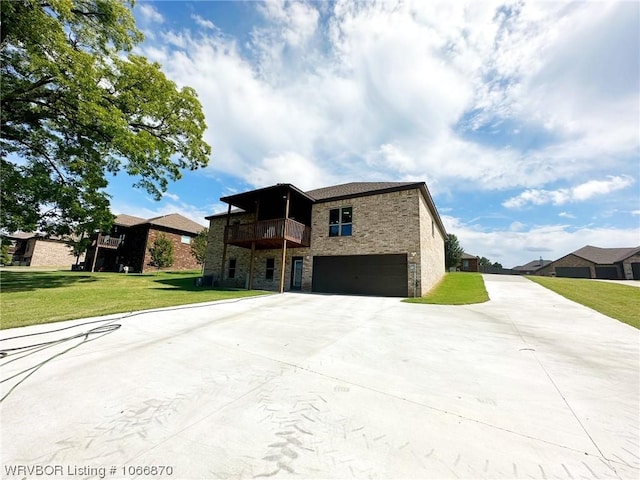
224	248
284	242
95	254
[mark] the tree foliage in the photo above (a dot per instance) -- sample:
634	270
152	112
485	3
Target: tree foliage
452	251
161	252
76	106
484	262
5	256
199	246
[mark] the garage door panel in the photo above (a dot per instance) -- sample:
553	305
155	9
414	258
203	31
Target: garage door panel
607	272
573	272
384	275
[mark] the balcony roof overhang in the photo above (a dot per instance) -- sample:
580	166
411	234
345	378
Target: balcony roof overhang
247	201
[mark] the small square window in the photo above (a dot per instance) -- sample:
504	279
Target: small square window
185	239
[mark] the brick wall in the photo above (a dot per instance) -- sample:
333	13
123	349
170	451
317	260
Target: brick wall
568	261
626	266
182	258
431	250
48	253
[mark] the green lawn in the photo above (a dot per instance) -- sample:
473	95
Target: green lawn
456	288
617	301
29	298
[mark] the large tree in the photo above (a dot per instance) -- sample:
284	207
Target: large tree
452	251
77	106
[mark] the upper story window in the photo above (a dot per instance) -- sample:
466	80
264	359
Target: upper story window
340	222
186	239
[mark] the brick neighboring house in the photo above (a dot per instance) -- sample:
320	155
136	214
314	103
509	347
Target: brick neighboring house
595	262
372	238
37	250
531	268
128	243
469	263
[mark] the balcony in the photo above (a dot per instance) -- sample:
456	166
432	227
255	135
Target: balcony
268	234
109	242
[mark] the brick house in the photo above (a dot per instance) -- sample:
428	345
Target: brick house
38	250
128	243
372	238
469	263
531	268
595	262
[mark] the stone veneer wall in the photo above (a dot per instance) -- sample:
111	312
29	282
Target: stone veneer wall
568	261
49	253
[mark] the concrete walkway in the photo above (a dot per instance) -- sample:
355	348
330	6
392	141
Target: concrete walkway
528	385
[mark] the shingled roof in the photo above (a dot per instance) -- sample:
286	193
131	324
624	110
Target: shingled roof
174	221
177	222
357	189
605	256
128	220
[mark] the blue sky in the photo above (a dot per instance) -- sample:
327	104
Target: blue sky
523	118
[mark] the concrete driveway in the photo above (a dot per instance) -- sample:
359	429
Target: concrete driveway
529	385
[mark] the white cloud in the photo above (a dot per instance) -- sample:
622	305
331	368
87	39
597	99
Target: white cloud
635	212
171	196
203	22
566	215
578	193
166	207
150	14
386	90
512	248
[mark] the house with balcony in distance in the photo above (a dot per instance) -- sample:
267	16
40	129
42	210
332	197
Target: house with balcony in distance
367	238
128	243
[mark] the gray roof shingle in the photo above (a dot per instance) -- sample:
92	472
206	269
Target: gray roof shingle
357	188
174	221
605	256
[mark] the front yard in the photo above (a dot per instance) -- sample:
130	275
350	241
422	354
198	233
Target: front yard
456	288
614	300
33	297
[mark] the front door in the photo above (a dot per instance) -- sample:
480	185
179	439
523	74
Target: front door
296	273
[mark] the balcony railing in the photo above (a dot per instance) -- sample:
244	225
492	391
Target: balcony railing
268	233
109	242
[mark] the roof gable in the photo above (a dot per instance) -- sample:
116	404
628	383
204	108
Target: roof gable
176	221
356	189
605	256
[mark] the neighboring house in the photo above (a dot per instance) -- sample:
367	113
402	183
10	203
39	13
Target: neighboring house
128	243
38	250
371	238
469	263
595	262
530	268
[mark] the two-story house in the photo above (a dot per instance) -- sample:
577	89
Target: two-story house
128	242
369	238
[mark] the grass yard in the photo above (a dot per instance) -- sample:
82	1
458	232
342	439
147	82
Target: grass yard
617	301
456	288
32	297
